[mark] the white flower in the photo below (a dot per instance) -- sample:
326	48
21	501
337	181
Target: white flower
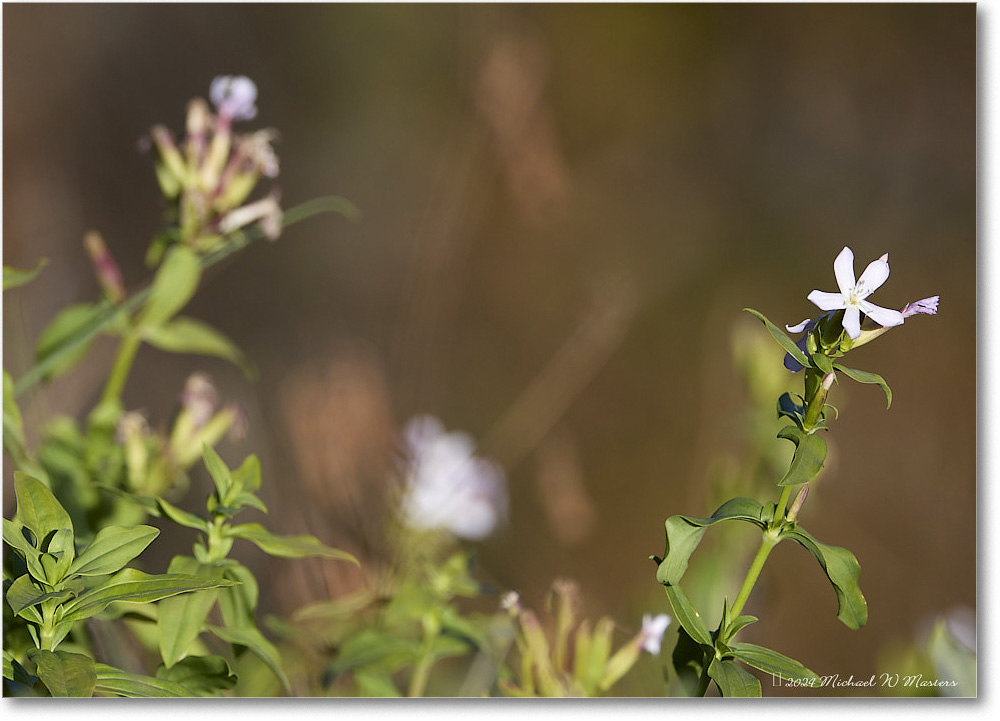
447	486
651	635
926	306
234	96
851	297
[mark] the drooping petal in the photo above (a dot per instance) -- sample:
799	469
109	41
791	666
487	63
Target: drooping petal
874	276
843	268
800	327
852	321
827	301
883	316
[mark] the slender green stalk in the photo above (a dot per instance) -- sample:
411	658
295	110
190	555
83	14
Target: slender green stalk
422	672
127	349
768	542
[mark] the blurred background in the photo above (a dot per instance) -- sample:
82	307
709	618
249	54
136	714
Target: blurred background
565	210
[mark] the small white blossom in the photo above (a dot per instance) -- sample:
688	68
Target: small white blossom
447	486
256	148
234	96
651	635
852	295
199	398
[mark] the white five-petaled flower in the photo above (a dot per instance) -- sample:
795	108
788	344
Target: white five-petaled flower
234	96
447	486
651	635
852	295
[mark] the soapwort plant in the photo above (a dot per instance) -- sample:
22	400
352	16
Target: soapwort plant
702	656
83	493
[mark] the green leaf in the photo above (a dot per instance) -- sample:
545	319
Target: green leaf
219	471
376	684
734	681
132	585
237	603
373	649
174	285
248	477
255	641
790	409
13	424
783	340
111	680
810	454
684	533
200	675
287	546
14	671
181	517
737	625
37	508
822	363
843	570
14	277
63	332
866	377
687	615
64	674
689	658
187	335
14	537
772	662
23	594
112	548
181	618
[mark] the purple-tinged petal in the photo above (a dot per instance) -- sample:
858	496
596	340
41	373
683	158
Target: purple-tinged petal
805	325
852	321
883	316
873	277
925	306
827	301
843	268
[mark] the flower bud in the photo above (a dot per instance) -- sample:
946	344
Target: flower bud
109	275
172	160
793	512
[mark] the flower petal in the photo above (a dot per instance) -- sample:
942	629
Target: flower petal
874	276
927	306
827	301
852	321
843	268
803	326
882	316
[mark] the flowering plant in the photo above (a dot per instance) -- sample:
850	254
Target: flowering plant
703	656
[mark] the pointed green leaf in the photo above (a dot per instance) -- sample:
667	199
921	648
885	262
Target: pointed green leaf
37	508
687	615
287	546
783	340
14	671
14	277
181	517
255	641
23	594
201	675
737	625
174	284
843	570
111	680
187	335
68	337
237	603
219	472
684	533
866	377
376	684
772	662
64	674
689	659
822	363
247	477
112	548
734	681
13	536
809	457
132	585
182	618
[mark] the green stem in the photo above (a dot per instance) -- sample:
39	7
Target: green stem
423	670
779	510
768	542
298	213
120	370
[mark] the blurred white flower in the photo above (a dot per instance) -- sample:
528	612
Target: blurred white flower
447	486
651	635
234	97
851	297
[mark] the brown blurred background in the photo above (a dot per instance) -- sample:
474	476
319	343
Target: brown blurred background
565	210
